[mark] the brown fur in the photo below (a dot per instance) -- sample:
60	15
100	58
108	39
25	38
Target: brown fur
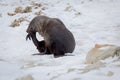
58	39
39	44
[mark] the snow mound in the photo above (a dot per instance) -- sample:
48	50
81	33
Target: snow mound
27	77
101	52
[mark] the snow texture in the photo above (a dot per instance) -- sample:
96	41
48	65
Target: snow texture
91	22
101	52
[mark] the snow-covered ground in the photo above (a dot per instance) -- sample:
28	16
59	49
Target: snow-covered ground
91	22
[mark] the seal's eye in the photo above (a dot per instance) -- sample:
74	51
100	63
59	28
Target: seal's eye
31	28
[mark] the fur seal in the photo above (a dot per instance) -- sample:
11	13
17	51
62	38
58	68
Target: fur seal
39	44
58	39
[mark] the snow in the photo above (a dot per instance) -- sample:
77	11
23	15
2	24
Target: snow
91	22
